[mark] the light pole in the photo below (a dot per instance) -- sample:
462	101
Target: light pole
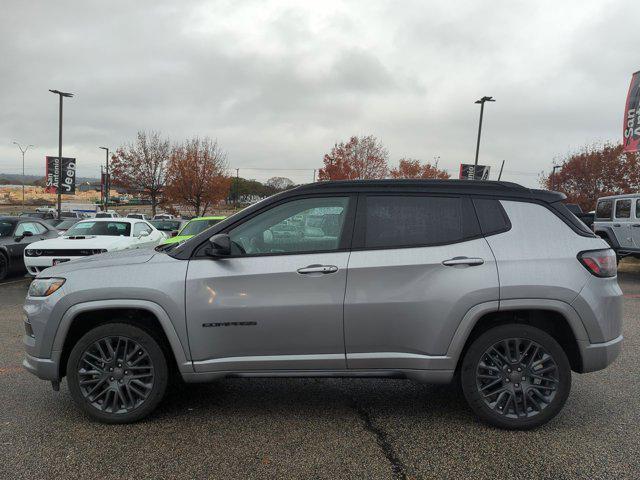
23	150
481	102
106	180
59	187
553	176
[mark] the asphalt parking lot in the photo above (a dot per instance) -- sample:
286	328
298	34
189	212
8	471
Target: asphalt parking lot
317	428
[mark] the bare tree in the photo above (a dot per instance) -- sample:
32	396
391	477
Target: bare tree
141	165
197	175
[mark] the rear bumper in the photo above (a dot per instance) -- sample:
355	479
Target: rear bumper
596	356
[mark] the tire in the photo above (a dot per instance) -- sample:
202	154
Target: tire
117	373
494	387
4	266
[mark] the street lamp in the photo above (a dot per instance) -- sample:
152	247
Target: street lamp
553	176
481	102
59	187
106	180
23	150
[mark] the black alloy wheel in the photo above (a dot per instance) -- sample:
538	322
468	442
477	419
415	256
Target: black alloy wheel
516	376
117	373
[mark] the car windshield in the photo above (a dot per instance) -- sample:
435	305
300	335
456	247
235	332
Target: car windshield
32	214
6	228
194	227
166	225
100	228
68	215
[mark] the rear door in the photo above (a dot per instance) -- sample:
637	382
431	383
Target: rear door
418	264
622	222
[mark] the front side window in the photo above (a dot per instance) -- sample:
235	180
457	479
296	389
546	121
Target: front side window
140	227
623	209
604	209
411	221
305	225
100	228
27	227
638	208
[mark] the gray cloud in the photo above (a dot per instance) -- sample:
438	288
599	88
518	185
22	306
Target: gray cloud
279	82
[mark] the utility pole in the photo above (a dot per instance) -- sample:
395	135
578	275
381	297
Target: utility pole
23	150
59	187
481	102
235	206
106	180
314	175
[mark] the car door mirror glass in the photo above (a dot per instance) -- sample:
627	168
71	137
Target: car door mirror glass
143	233
219	245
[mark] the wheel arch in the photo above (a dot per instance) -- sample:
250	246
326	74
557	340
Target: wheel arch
554	317
150	316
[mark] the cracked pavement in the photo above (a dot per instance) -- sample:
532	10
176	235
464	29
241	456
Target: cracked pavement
317	428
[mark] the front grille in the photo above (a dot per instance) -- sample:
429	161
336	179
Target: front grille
84	252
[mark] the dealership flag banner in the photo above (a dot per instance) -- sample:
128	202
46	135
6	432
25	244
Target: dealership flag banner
631	132
68	184
468	172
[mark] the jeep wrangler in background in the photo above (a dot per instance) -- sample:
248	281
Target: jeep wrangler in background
617	221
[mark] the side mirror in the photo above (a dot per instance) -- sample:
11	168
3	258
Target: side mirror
144	233
27	233
219	246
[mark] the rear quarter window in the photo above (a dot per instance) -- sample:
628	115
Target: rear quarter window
492	217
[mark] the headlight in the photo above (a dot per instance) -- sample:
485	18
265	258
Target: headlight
43	287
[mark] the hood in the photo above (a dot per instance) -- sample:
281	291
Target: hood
109	259
176	239
88	242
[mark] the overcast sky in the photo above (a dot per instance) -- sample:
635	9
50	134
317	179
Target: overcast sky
278	83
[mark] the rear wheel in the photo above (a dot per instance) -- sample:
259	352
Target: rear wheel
117	373
516	377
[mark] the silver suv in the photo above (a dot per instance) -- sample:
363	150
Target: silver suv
618	222
489	284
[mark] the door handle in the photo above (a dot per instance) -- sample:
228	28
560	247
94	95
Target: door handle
324	269
471	262
617	225
636	225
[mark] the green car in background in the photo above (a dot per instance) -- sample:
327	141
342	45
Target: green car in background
191	228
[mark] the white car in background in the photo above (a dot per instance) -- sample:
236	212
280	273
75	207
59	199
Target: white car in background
91	237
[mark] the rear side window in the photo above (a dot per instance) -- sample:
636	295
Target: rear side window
623	209
493	219
409	221
638	208
604	209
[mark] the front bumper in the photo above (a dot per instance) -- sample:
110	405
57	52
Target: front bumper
44	368
596	356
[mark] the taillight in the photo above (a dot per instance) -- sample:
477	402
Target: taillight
601	263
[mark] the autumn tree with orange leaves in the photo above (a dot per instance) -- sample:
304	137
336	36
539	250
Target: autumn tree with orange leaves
141	166
197	177
359	158
595	172
410	168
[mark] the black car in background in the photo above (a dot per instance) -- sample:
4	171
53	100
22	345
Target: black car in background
15	234
46	217
587	218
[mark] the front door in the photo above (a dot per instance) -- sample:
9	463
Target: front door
277	302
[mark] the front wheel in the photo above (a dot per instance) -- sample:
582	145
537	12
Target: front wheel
516	377
117	373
